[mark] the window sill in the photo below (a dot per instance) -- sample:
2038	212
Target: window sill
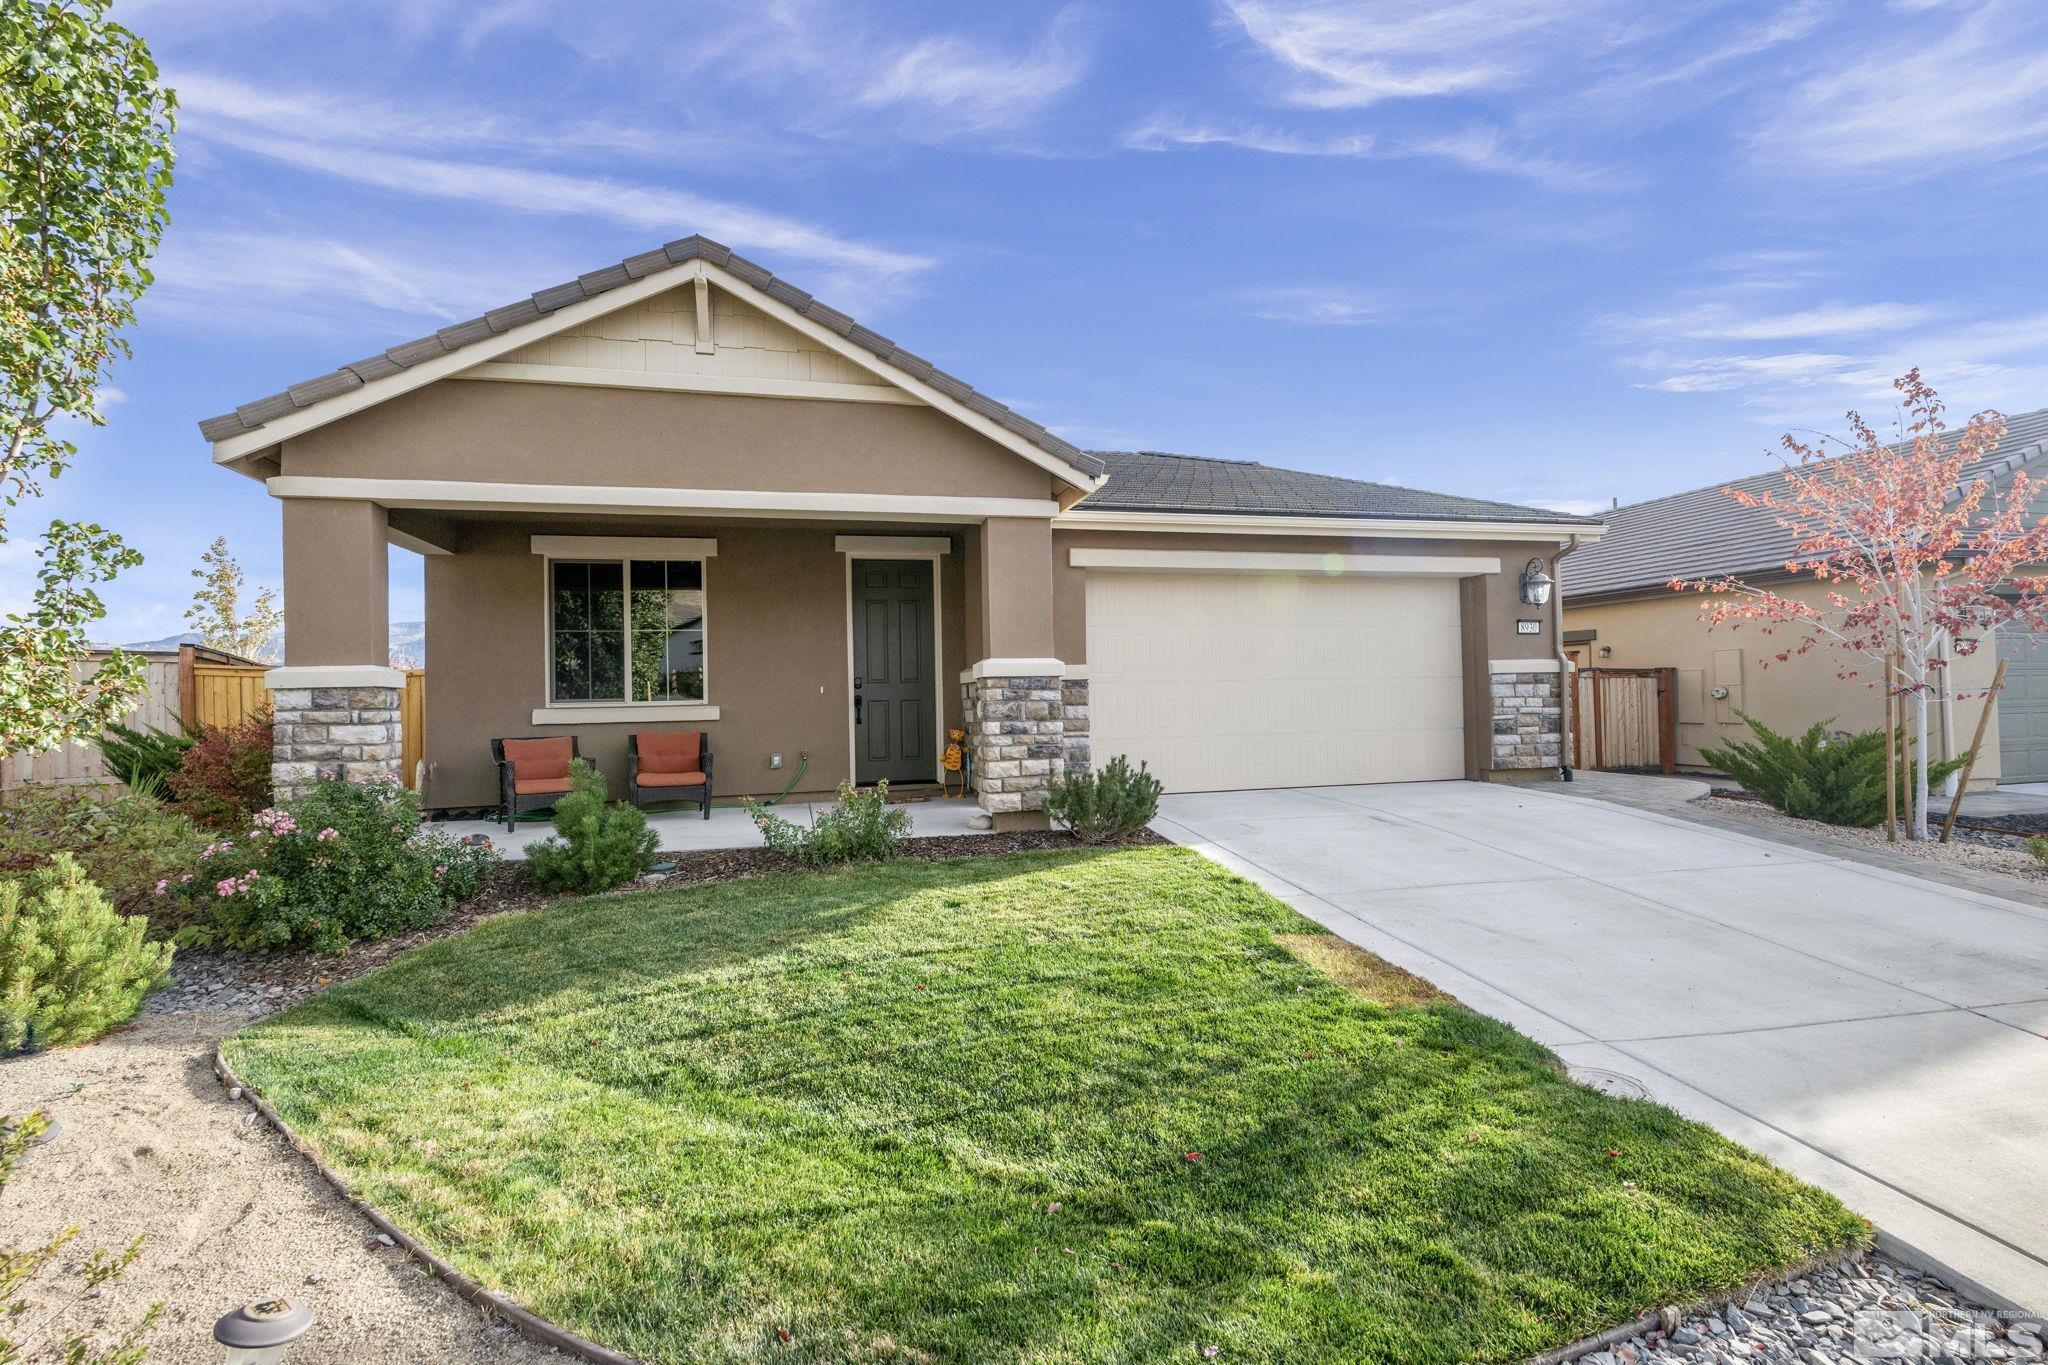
624	713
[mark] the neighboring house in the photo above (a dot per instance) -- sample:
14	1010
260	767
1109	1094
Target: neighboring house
1619	612
681	493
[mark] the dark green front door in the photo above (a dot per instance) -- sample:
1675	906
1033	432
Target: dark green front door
895	684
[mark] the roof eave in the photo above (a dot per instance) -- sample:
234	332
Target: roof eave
1283	523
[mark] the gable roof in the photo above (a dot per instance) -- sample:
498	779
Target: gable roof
254	416
1157	481
1704	533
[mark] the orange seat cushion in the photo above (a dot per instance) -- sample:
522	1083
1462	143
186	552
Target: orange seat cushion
668	752
648	779
539	760
538	786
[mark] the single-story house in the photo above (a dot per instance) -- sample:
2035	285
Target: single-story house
681	493
1620	612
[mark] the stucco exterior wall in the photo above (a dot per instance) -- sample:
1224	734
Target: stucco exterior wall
1665	632
775	655
336	563
568	434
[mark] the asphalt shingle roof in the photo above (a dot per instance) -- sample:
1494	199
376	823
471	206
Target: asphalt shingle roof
1156	481
255	415
1704	532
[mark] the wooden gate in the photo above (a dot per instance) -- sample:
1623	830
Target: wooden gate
1625	719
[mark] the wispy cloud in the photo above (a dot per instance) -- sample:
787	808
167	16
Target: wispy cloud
1311	305
1486	149
1723	321
1476	148
285	280
978	88
1832	353
1163	132
1339	55
1912	103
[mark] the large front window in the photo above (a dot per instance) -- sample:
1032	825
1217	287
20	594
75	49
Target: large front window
626	630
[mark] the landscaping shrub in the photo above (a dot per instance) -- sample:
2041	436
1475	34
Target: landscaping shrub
597	847
71	967
1107	805
144	759
225	775
862	828
1838	779
346	861
124	842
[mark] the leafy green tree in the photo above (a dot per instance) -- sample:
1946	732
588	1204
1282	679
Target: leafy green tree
85	160
46	697
216	611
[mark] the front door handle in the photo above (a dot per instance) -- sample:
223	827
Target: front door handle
856	701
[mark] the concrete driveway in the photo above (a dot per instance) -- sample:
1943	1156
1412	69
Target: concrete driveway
1876	1033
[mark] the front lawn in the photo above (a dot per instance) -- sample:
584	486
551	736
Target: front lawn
1051	1107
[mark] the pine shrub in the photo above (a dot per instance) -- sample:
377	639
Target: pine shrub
144	759
862	828
1835	779
71	967
597	846
1106	806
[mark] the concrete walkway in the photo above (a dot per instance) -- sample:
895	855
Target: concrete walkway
1876	1033
685	831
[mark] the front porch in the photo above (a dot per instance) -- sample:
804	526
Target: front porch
808	649
687	831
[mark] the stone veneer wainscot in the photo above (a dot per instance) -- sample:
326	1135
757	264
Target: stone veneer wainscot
1016	727
332	732
1528	721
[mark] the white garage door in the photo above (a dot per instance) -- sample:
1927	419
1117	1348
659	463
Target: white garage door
1229	681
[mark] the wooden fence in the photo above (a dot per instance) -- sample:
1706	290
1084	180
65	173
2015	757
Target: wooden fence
1625	719
198	687
225	694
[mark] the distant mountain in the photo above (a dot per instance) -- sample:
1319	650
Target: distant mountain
408	644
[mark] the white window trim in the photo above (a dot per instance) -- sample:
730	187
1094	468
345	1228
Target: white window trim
931	549
625	549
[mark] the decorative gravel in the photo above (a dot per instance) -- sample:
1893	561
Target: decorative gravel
1868	1307
1985	850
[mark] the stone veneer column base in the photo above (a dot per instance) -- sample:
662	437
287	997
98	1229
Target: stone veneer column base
1528	722
1074	725
1017	732
350	733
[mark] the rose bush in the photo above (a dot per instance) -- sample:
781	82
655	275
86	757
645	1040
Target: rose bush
346	861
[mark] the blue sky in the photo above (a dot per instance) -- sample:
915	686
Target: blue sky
1550	251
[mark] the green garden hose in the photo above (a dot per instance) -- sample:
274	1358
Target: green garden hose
803	765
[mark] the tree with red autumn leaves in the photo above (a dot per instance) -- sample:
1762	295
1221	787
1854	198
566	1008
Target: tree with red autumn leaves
1913	556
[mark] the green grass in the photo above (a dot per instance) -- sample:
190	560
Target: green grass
843	1106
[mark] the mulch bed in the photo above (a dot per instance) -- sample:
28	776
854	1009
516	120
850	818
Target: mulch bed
219	978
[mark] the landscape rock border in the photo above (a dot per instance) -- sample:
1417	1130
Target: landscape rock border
526	1322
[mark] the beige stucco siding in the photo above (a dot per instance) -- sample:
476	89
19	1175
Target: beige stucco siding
1665	632
490	432
775	656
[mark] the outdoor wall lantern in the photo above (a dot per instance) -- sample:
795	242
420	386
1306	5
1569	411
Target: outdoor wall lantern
261	1333
1535	584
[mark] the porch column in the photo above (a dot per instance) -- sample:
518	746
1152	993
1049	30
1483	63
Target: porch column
1012	693
335	703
